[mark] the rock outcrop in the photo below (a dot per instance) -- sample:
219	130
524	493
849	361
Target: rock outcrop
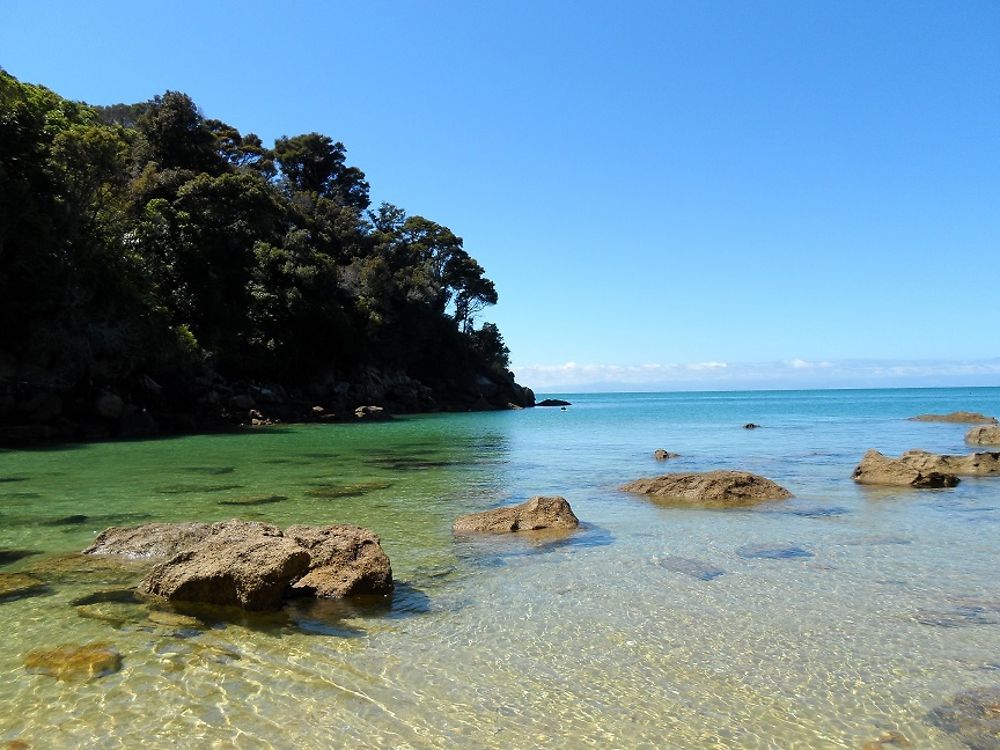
876	468
974	464
252	565
724	489
961	417
534	515
983	435
553	402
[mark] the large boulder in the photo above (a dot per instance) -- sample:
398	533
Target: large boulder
251	565
533	515
966	417
975	464
248	565
727	489
983	435
344	560
553	402
876	468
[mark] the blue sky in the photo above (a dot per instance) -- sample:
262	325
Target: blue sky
803	192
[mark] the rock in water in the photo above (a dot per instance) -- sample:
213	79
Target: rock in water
252	565
344	560
972	717
150	540
983	435
725	489
975	464
245	565
772	552
876	468
967	417
691	567
662	455
535	514
553	402
16	585
73	662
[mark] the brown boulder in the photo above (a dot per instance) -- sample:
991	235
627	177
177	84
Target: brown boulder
248	565
661	455
251	565
967	417
535	514
728	489
344	560
975	464
876	468
983	435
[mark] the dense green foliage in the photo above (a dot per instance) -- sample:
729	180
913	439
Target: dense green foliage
145	239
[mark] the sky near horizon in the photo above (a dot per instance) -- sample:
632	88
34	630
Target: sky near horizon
667	194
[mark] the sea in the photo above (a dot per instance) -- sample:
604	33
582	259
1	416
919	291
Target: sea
846	615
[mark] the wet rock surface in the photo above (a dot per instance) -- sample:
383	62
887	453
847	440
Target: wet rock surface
533	515
75	663
973	718
150	540
983	435
878	469
724	489
959	417
974	464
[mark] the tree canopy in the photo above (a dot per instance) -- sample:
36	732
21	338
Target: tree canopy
144	239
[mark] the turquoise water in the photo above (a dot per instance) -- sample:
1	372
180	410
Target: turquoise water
595	639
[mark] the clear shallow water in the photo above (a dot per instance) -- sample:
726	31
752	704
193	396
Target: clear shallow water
595	640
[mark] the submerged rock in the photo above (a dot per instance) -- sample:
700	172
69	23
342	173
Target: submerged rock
876	468
751	426
534	515
254	566
967	417
887	741
983	435
16	585
699	569
662	455
975	464
710	488
972	717
74	662
772	552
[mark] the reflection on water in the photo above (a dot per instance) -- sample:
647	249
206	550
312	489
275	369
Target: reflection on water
845	615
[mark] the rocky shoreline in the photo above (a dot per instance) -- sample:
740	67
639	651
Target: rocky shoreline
34	412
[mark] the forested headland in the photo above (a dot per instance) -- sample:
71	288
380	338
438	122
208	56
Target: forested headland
161	271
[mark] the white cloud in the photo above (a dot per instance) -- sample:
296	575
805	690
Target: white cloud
789	373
